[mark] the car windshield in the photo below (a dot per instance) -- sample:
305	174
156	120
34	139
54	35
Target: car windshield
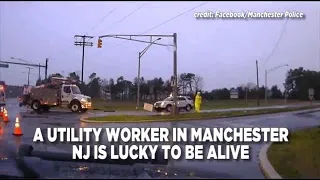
75	90
168	99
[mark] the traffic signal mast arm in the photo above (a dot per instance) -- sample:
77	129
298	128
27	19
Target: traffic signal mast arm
131	39
24	64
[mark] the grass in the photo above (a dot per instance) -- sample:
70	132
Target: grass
99	104
300	158
190	116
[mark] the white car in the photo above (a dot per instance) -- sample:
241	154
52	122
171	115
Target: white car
183	102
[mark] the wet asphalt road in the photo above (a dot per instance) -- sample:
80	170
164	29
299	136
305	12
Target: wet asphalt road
213	169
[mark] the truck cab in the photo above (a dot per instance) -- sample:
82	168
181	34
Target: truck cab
71	97
2	96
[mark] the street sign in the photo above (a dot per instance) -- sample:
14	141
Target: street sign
234	94
4	65
311	93
173	81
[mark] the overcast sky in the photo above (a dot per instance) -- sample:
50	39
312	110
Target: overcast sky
223	52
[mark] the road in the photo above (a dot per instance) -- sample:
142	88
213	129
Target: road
181	168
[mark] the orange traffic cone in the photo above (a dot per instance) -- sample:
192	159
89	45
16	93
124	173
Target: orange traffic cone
5	116
1	111
17	130
1	128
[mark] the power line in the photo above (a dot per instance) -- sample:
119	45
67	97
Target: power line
277	42
102	19
166	21
128	15
125	17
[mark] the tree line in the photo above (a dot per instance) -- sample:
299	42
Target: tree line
297	83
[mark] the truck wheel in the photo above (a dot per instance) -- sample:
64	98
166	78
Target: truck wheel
168	108
46	108
35	105
75	106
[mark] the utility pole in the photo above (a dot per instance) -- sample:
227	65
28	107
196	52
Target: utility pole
39	72
138	88
257	67
29	68
83	43
266	79
175	74
265	86
139	62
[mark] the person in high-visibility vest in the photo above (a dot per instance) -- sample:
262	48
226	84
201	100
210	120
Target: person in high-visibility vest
198	101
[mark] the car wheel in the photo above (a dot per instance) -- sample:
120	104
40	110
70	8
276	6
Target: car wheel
35	106
75	106
168	108
188	108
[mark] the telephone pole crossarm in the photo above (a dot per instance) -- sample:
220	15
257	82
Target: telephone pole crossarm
79	43
81	36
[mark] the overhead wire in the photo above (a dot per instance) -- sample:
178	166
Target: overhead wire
128	15
277	42
202	4
102	19
94	27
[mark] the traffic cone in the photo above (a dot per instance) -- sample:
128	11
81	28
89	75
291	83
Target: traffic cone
1	111
1	128
17	130
5	116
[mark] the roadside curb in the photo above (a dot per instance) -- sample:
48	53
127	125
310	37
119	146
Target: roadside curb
265	164
86	120
142	121
307	112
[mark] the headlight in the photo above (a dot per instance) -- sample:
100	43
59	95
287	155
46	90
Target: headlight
83	100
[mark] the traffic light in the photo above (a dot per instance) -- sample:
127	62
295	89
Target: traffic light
99	43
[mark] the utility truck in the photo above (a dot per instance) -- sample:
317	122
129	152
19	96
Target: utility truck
60	92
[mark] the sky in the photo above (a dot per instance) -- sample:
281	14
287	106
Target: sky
222	51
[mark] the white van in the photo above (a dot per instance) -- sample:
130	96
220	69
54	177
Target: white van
2	95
